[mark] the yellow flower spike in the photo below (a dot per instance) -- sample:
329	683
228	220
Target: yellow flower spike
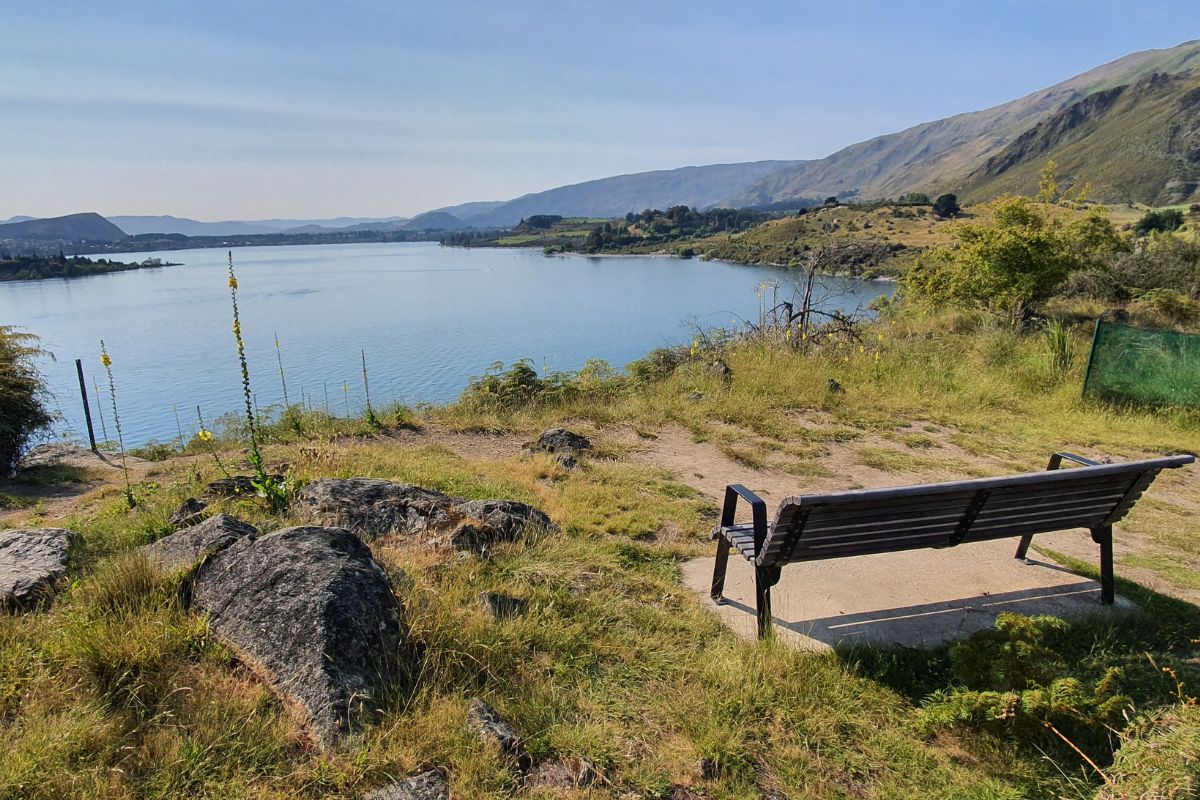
204	436
788	335
232	282
105	360
861	349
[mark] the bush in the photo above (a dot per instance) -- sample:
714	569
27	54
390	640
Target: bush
22	396
1158	757
1164	221
1014	264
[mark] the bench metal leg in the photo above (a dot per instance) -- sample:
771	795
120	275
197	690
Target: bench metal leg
1023	547
1103	537
722	563
764	579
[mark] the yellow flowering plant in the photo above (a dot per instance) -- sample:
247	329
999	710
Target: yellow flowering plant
106	361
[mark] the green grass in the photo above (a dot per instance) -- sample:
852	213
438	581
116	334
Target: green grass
117	691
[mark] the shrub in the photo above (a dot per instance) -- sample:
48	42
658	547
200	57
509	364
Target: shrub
1158	757
1166	220
23	396
1012	265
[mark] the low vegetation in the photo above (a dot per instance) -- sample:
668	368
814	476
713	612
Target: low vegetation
32	268
117	691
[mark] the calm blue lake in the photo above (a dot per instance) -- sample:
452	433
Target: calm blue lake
428	318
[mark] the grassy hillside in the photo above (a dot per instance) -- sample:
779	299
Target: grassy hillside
936	156
1138	142
119	692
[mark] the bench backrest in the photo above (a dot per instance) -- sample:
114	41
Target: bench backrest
817	526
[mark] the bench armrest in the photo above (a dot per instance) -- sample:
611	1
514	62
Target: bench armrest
758	510
1057	459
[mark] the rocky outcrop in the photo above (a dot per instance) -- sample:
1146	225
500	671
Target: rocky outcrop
429	785
32	560
186	548
190	512
311	609
566	446
371	507
489	726
506	520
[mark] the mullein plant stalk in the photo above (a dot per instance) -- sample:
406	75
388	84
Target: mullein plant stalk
282	378
273	491
112	392
100	408
372	420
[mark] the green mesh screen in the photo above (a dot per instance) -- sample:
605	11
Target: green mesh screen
1143	365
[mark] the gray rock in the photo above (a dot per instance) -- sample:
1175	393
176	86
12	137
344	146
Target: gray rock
566	773
310	608
371	507
680	792
186	548
190	512
32	560
502	606
565	445
429	785
506	520
489	726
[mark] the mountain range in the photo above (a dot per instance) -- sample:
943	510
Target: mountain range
1130	129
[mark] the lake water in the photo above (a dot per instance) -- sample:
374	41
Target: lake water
428	318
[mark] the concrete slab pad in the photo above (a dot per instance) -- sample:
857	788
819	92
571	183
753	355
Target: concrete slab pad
918	598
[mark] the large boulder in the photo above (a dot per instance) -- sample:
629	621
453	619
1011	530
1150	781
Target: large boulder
503	521
32	560
566	446
311	609
429	785
186	548
371	507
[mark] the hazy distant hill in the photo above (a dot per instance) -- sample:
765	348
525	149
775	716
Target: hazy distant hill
136	225
73	227
1138	142
701	187
940	155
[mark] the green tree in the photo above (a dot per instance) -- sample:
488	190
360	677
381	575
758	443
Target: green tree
946	206
1013	264
22	396
1048	191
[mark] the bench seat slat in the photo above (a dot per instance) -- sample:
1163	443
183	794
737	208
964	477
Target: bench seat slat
1065	477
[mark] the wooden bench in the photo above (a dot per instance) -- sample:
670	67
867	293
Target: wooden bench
836	524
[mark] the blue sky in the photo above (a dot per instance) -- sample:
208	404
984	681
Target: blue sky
219	110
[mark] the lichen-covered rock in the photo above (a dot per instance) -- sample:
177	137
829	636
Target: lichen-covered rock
428	785
32	560
564	445
489	726
371	507
506	520
311	609
186	548
190	512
